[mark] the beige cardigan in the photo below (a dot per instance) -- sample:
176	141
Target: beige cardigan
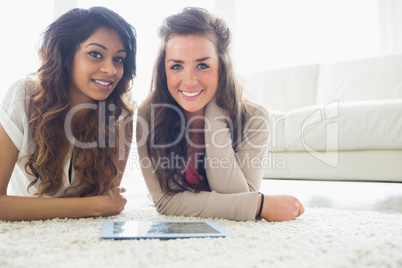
234	173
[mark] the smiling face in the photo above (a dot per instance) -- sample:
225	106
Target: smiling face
191	66
97	67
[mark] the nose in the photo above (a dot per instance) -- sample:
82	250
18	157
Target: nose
189	78
108	68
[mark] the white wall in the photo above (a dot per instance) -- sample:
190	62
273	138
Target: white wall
21	24
273	34
390	22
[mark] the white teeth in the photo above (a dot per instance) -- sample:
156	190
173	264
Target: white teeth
191	94
103	83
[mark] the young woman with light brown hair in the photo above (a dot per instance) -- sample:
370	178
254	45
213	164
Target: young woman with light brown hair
201	144
66	130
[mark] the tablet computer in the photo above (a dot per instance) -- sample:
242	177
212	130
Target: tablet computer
161	229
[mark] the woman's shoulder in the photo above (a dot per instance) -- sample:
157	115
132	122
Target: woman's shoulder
251	108
19	93
257	109
147	107
21	89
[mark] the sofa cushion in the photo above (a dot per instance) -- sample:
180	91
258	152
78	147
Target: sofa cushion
283	89
277	121
374	78
364	125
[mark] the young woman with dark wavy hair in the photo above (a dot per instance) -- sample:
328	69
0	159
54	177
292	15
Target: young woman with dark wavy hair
201	144
66	130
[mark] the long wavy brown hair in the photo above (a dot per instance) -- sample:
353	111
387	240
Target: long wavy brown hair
49	105
166	121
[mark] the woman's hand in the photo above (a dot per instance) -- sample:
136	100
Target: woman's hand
280	208
112	204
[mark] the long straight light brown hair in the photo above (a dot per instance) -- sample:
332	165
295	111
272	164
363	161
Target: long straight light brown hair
166	122
49	106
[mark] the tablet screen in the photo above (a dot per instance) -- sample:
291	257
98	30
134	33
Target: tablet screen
161	229
158	227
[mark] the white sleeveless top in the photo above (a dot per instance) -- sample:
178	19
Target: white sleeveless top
14	119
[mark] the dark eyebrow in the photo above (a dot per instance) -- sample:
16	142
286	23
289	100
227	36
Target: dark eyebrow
95	44
197	60
176	61
105	48
202	59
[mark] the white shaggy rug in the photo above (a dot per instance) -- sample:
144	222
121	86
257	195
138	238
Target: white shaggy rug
320	238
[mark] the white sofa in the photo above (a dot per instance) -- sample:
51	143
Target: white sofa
333	121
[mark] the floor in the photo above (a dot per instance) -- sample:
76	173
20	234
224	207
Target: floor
372	196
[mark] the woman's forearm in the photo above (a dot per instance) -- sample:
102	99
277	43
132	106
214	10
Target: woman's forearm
15	208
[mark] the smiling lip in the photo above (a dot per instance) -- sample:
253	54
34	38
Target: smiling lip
103	84
191	95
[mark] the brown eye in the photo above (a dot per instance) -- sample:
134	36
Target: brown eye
95	54
119	60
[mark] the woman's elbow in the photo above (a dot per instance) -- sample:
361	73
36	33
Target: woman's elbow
254	187
162	206
161	210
